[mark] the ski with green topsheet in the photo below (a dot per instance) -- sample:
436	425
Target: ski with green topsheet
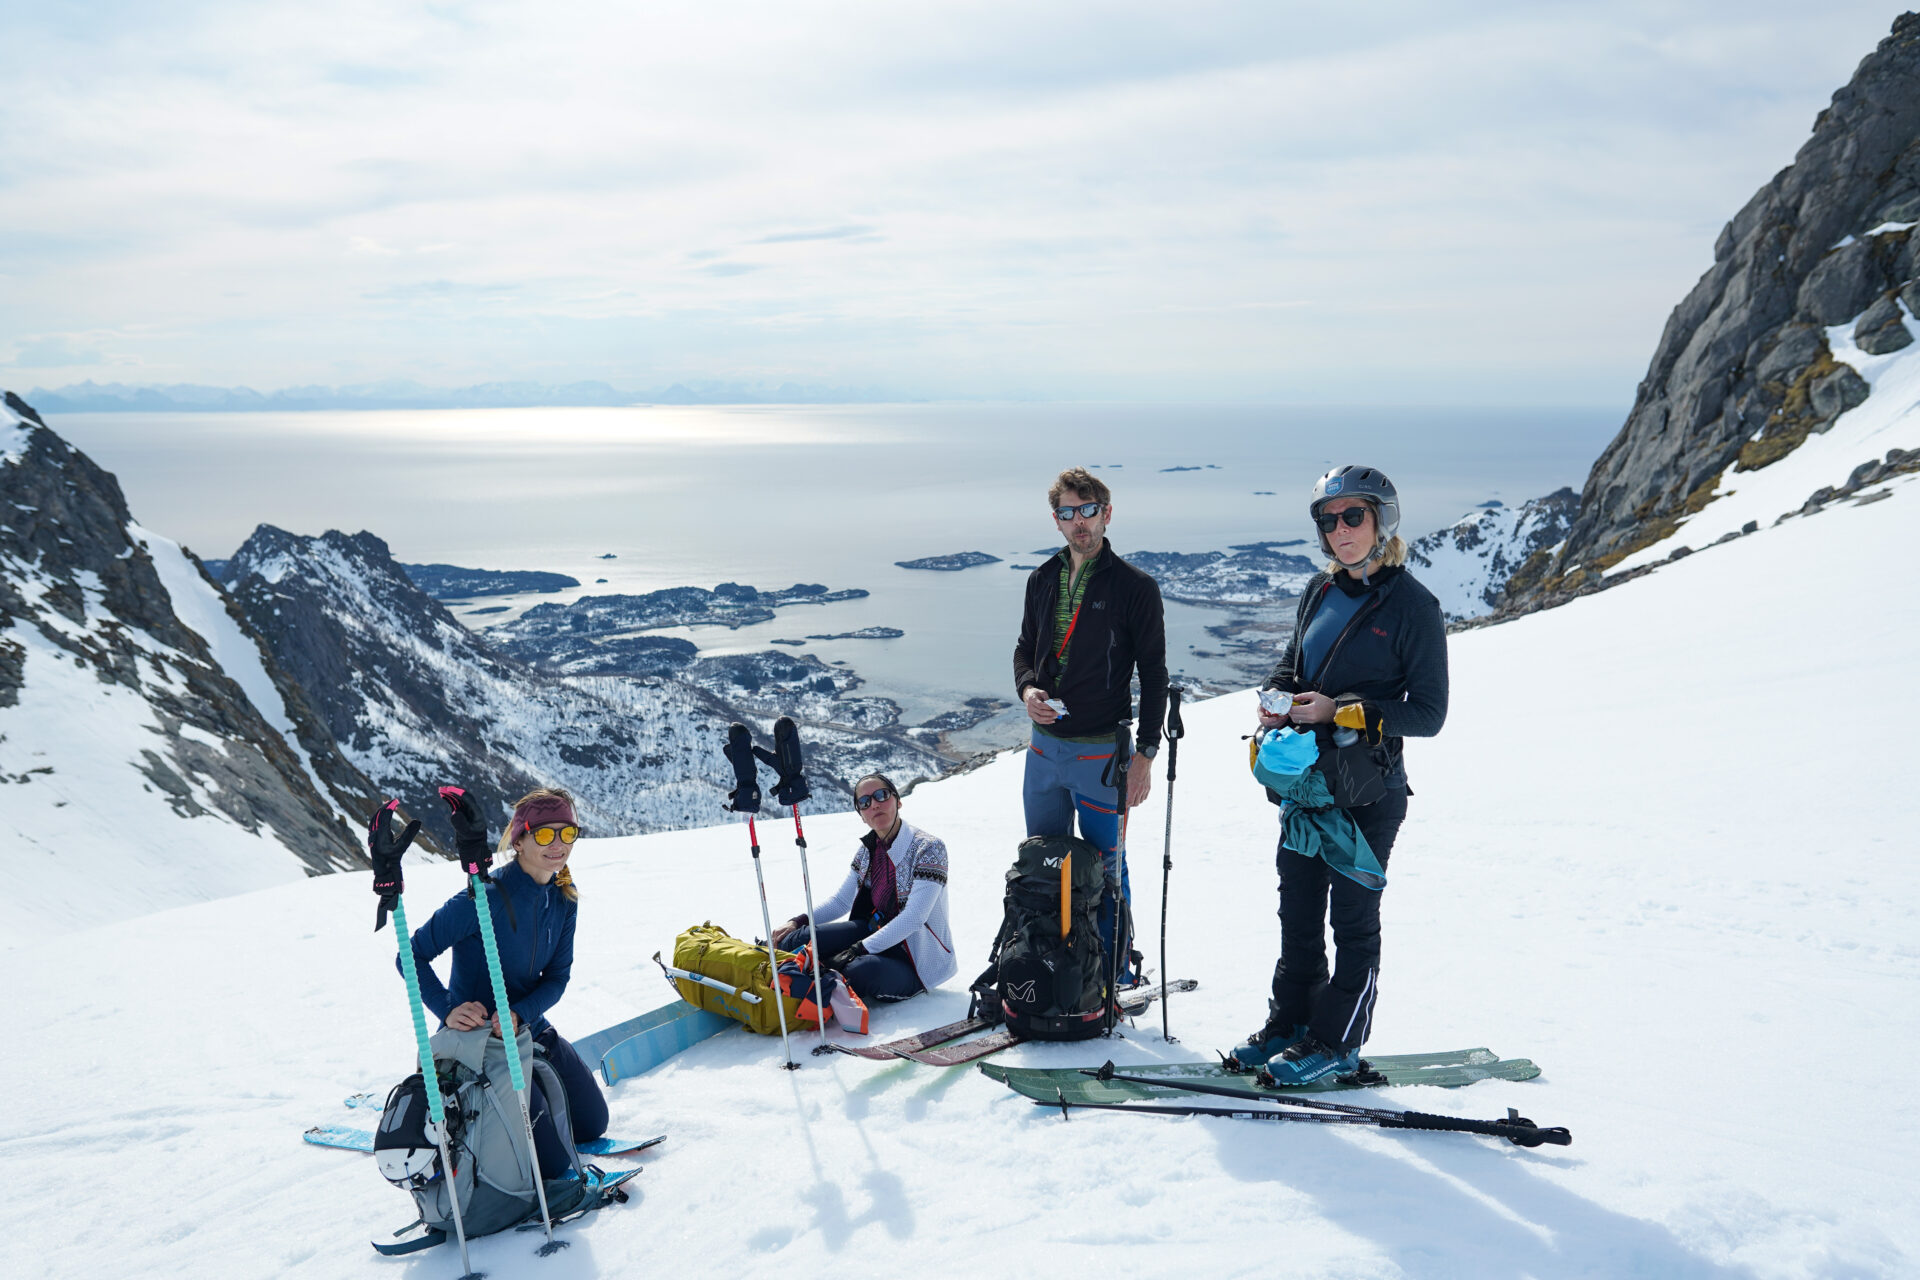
1442	1070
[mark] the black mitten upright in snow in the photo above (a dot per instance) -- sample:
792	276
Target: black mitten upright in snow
745	796
385	849
784	759
469	831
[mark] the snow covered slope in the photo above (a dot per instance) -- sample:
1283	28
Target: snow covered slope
1467	564
1635	855
149	756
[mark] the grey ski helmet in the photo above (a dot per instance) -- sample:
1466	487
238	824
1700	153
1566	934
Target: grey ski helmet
1359	482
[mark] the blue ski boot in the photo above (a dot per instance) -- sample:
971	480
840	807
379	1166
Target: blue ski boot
1310	1059
1264	1044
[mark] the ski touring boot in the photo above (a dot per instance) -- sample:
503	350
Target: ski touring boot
1262	1046
1309	1059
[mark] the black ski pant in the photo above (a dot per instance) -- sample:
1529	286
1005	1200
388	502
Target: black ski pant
1337	1007
586	1105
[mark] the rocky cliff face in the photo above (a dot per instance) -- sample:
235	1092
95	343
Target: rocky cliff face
1745	370
138	716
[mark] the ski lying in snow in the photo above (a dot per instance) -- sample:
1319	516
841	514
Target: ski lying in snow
599	1182
345	1139
1444	1070
1132	1002
910	1044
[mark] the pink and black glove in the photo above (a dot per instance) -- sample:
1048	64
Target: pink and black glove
385	849
469	831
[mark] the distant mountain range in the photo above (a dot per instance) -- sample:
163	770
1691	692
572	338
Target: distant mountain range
116	397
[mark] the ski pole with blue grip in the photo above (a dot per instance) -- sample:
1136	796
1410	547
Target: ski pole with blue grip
385	850
470	838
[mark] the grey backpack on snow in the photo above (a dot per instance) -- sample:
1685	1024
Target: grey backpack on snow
493	1170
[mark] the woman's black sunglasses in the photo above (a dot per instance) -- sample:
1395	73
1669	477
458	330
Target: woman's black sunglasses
879	795
1086	511
1352	517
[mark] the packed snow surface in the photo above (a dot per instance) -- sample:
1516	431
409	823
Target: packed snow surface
1664	847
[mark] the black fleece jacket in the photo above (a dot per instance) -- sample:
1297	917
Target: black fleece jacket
1122	625
1392	656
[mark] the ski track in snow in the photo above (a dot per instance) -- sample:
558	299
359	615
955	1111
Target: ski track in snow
1625	859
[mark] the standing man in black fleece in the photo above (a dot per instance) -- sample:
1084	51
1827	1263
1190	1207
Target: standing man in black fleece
1091	620
1368	657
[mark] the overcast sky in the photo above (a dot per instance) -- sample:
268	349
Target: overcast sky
1483	203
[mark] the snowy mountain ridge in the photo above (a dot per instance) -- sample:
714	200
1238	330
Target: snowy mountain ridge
138	716
1467	564
416	700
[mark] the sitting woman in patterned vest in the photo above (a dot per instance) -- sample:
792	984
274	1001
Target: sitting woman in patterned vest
895	941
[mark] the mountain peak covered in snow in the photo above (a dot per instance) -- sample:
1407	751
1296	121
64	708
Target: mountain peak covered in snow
1467	564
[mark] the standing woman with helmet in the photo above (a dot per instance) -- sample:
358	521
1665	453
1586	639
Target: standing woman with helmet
1368	654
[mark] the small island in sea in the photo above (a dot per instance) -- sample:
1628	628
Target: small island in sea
949	564
864	633
450	582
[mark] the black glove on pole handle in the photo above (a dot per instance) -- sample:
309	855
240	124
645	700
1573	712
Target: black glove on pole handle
745	798
469	833
384	849
790	791
1176	730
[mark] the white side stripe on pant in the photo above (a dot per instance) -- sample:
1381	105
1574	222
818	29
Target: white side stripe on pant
1364	1002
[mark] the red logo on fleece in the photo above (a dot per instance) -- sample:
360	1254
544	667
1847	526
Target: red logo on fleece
1377	631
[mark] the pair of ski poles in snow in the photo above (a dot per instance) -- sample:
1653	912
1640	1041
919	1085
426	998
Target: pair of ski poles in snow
470	830
1116	777
790	790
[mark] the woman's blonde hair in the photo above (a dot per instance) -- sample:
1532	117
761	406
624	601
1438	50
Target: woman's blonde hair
563	878
1393	555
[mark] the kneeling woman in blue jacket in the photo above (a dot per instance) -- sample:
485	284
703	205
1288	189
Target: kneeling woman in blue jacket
533	904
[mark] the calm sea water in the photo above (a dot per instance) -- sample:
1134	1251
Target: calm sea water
831	494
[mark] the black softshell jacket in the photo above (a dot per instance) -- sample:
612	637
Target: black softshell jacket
1122	625
1393	654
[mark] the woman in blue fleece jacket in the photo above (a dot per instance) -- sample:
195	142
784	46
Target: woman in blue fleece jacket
533	903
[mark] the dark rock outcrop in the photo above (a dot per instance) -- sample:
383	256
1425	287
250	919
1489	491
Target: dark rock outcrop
1743	373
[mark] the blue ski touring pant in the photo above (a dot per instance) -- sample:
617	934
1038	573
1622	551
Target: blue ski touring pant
585	1103
1064	782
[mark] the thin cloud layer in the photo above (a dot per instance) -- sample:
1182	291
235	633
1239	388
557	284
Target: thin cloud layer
1482	204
